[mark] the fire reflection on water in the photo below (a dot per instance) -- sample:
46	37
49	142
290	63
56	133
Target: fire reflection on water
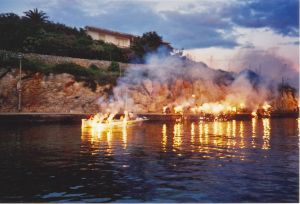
267	132
192	134
164	137
241	133
204	137
253	123
177	140
201	132
233	128
109	138
124	136
105	137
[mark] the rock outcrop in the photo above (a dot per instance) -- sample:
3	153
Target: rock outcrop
53	93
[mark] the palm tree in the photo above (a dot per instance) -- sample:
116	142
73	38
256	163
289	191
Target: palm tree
36	16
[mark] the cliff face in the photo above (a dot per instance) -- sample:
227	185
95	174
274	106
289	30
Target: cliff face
53	93
61	93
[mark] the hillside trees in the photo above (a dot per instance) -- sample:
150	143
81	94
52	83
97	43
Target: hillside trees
149	42
36	16
34	33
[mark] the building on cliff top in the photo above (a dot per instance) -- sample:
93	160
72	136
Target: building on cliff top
122	40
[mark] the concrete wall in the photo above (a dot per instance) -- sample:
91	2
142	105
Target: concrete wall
94	35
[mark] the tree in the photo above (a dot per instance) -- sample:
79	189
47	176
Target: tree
149	42
12	31
36	16
33	33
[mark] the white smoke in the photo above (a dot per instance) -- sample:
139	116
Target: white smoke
172	81
269	65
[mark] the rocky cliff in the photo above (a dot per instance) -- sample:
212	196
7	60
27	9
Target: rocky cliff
53	93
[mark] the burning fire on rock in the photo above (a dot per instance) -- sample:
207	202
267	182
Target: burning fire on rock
218	111
173	86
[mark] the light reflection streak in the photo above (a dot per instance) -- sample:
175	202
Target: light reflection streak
267	132
228	134
192	133
124	136
201	132
221	129
254	122
228	129
164	137
233	133
109	140
215	132
203	137
241	133
206	129
220	137
106	137
215	128
177	140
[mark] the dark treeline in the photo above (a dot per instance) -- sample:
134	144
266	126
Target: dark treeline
34	33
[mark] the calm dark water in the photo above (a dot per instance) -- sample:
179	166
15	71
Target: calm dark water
236	161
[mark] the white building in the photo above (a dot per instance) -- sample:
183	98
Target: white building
122	40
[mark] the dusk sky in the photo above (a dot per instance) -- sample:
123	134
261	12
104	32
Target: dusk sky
217	32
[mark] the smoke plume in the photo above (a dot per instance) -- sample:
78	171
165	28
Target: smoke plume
173	81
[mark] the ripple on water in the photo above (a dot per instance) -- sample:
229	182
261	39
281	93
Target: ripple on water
153	162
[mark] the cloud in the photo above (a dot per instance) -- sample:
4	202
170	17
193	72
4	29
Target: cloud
291	43
199	30
282	16
188	24
182	29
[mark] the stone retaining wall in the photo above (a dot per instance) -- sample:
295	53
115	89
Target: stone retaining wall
51	59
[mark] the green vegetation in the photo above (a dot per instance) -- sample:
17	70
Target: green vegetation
34	33
150	42
36	16
91	76
114	67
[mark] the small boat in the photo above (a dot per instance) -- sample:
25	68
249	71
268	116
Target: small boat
90	123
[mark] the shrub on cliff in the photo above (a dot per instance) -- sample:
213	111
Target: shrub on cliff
71	68
90	76
93	67
114	67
